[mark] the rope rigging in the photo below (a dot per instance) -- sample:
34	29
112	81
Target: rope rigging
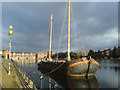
54	69
59	45
74	30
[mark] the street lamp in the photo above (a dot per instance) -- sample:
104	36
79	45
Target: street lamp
10	34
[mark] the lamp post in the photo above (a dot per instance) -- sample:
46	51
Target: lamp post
10	34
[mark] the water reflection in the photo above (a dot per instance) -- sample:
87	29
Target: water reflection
106	77
76	82
73	82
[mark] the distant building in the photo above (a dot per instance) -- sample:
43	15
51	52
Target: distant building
5	54
107	51
18	55
93	50
23	55
53	52
102	52
0	52
82	53
44	55
41	55
0	55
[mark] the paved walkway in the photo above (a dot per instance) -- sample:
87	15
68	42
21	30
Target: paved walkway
9	81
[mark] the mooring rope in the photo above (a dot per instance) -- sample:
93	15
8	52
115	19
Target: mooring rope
54	69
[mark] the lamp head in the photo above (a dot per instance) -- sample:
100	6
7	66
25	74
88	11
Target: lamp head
10	27
10	33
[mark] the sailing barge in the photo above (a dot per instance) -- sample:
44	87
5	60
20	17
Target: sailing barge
79	67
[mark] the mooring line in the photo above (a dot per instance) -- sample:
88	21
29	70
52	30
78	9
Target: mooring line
54	69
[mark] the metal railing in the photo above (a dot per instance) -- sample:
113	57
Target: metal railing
24	78
28	81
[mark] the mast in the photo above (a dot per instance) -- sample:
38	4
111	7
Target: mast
50	39
69	30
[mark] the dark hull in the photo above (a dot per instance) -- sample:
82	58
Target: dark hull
70	68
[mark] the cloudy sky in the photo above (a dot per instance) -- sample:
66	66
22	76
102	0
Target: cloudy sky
94	25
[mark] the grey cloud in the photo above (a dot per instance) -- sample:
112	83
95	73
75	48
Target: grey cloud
31	22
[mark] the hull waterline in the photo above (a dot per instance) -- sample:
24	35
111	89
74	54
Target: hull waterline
70	68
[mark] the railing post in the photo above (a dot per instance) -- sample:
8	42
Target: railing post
41	77
55	86
49	83
28	80
28	76
33	79
41	83
21	71
25	76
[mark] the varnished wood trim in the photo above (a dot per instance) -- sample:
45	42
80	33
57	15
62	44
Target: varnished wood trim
77	63
95	63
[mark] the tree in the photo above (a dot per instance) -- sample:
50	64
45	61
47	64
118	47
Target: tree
99	54
72	55
118	52
114	52
91	53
